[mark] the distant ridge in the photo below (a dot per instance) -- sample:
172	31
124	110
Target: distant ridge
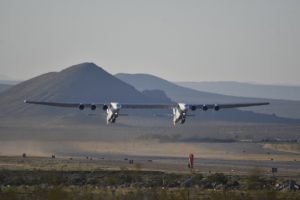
246	89
8	80
4	87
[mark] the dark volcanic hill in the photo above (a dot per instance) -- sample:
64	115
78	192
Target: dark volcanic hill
282	108
86	83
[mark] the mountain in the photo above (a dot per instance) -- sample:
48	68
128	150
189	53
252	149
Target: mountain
282	108
180	94
84	82
4	87
246	89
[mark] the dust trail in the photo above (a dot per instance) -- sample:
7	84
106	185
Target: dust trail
289	148
237	151
31	147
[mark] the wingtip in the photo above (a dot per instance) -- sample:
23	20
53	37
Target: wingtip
25	101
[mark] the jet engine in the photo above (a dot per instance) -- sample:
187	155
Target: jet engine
93	107
193	108
217	107
105	107
81	107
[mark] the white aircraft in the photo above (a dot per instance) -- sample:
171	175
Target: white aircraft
179	110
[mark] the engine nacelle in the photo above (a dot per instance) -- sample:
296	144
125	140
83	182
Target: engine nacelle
81	107
105	107
93	107
217	107
204	107
193	108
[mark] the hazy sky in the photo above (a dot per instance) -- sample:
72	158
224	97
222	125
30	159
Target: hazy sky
249	41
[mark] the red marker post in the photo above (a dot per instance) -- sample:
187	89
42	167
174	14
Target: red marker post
191	161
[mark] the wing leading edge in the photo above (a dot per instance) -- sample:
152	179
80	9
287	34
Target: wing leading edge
66	105
234	105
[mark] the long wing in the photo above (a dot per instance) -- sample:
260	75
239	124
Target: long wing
235	105
147	106
67	105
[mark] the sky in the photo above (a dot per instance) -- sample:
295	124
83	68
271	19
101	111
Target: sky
254	41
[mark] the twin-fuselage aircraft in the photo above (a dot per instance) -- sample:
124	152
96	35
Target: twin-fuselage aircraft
180	110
